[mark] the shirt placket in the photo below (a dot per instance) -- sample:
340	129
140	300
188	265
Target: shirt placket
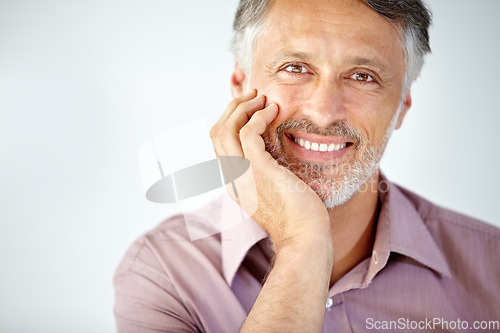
336	318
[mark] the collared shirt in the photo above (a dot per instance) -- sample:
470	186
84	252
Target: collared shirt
431	269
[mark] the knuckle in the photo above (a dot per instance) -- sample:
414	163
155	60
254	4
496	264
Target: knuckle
246	131
250	104
234	103
257	119
258	115
244	134
213	132
242	106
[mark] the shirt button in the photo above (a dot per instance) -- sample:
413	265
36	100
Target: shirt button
375	257
329	302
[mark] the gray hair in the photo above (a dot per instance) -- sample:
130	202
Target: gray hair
411	17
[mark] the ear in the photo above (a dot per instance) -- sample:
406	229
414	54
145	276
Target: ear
238	80
406	107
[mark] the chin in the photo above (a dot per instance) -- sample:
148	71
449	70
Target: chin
336	192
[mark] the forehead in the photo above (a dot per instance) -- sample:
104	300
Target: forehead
328	28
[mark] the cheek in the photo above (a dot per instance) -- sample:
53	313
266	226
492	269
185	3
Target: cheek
370	114
378	121
288	100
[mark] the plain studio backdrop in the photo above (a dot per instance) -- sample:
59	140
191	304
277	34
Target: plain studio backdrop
83	84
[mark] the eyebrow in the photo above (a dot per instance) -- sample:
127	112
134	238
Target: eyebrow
282	56
372	62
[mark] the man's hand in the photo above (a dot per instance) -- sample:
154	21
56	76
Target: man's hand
293	297
288	209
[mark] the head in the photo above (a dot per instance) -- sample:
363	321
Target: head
340	72
411	17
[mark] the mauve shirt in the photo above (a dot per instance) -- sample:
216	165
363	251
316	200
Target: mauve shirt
429	266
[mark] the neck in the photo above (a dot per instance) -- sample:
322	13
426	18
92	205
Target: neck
353	228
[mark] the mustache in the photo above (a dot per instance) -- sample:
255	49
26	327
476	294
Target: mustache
340	129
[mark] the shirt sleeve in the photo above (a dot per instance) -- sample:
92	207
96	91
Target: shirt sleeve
145	298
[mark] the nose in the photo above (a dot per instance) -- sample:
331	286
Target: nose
324	103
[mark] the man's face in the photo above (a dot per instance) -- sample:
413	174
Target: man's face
335	69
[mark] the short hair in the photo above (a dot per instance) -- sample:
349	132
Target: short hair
412	18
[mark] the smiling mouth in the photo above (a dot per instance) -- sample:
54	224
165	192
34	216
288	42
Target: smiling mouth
319	146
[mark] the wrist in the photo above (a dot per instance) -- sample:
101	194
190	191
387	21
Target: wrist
304	236
307	250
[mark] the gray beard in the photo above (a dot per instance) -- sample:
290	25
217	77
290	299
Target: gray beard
333	190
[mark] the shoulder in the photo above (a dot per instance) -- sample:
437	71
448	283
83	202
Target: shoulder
470	246
470	249
157	284
445	220
172	242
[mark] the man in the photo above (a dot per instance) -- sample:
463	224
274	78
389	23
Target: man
319	87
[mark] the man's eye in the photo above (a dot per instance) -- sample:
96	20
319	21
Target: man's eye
362	77
297	69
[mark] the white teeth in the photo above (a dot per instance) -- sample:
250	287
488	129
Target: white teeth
320	147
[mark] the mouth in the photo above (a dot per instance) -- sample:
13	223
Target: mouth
322	147
318	148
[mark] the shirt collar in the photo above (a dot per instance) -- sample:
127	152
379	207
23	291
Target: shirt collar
400	229
237	240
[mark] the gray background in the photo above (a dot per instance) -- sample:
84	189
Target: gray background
83	84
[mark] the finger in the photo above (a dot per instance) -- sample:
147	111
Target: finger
244	112
250	135
231	107
226	138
